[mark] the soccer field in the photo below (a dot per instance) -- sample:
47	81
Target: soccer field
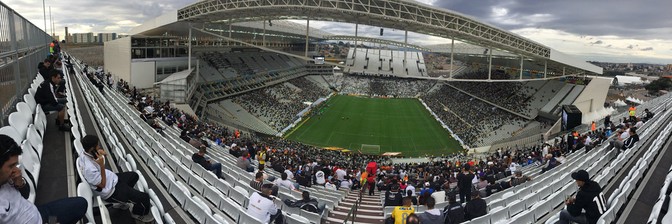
381	125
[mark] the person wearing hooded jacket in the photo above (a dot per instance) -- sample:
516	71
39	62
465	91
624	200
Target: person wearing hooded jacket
589	198
431	215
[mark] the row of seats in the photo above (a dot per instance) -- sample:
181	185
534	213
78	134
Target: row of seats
124	161
636	173
660	213
544	193
192	200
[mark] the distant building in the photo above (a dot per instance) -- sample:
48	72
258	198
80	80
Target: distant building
80	38
56	37
668	67
105	37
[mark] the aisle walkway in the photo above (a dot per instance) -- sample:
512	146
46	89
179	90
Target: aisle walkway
369	211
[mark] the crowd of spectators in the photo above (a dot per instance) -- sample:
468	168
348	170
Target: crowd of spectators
515	96
469	118
278	105
377	86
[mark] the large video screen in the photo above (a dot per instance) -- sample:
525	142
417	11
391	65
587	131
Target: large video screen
319	60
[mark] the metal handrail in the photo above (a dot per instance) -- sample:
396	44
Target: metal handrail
353	210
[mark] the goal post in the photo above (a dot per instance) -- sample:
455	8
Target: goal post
370	149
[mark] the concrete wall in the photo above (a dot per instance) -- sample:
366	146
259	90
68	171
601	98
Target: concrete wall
593	96
143	74
117	58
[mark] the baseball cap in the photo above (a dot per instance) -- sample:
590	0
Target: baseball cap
581	175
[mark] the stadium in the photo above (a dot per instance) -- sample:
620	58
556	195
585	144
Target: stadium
241	112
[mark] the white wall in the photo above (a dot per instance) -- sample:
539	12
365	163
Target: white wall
593	96
143	74
117	58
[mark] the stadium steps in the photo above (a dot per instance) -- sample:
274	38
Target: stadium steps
369	211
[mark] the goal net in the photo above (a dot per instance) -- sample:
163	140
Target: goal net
370	149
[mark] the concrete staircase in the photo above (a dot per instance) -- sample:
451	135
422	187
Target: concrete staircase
370	209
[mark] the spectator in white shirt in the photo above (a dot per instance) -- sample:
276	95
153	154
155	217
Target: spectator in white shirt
261	206
115	188
284	182
14	189
319	178
340	174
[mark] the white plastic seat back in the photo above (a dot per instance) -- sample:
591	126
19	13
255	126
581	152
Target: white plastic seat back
30	100
142	182
12	133
157	215
104	213
168	219
20	123
155	200
84	191
35	140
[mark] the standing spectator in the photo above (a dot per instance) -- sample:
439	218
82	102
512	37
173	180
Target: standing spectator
464	183
476	207
115	188
261	157
589	199
14	208
632	111
393	197
400	213
262	207
431	215
206	163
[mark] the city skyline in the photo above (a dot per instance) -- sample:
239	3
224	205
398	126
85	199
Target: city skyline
602	30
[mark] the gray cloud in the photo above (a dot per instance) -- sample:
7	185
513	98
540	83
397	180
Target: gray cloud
624	18
647	49
630	46
608	46
597	42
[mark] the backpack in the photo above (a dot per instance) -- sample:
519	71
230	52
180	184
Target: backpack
453	214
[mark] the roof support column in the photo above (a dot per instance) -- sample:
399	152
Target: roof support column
521	66
189	60
263	38
355	51
545	68
228	43
452	51
307	33
490	65
563	71
405	47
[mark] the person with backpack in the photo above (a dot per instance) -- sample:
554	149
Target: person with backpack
454	212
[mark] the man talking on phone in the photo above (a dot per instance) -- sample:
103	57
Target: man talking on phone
115	188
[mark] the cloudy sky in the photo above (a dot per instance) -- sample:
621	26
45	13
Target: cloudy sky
604	30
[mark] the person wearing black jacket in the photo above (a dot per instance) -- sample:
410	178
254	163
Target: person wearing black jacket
589	198
464	183
393	197
632	139
47	97
454	212
476	207
44	69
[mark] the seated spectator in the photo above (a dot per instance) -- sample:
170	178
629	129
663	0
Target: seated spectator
551	163
589	198
284	182
47	97
519	178
306	203
413	219
475	208
329	184
14	191
393	197
454	211
346	183
401	211
632	139
482	183
409	193
262	207
115	188
244	162
258	181
206	163
431	215
648	115
320	178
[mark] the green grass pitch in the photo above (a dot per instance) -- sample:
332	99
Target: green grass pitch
396	125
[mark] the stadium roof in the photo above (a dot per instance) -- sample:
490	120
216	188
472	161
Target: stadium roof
396	14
